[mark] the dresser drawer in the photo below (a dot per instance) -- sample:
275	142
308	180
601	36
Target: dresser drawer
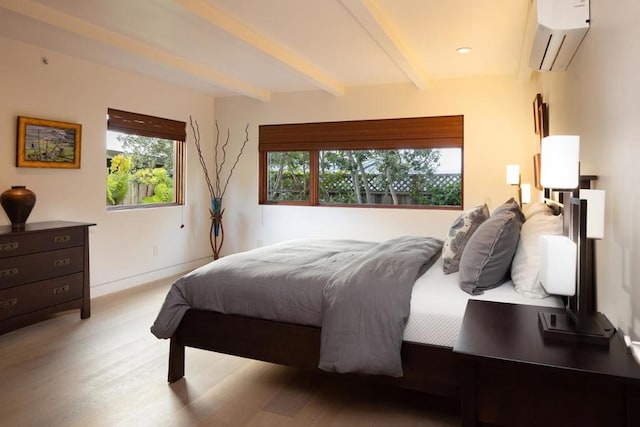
19	270
35	296
14	244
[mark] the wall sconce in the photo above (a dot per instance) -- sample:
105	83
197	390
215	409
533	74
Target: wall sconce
595	212
513	174
525	192
560	162
514	178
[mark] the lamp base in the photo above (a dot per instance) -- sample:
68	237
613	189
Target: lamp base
563	327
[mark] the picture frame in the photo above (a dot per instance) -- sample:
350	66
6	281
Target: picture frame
48	144
537	102
536	171
540	117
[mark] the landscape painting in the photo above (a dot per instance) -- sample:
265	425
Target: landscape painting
48	144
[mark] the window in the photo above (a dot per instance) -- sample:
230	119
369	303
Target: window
414	162
145	163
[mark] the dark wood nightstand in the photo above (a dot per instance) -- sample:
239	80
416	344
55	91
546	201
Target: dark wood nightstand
512	377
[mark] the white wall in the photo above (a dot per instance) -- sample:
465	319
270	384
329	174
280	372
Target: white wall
498	130
122	243
598	98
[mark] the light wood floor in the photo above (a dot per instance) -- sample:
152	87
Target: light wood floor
109	370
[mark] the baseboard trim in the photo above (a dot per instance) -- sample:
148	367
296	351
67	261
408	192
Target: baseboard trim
101	289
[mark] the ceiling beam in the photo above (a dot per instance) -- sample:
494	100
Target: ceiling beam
85	29
381	29
268	47
525	73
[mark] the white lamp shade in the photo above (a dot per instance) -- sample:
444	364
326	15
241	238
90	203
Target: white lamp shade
525	191
595	212
513	174
558	255
560	161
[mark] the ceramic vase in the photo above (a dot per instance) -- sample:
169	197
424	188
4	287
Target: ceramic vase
17	202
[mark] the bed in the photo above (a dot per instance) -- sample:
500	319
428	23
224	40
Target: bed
429	365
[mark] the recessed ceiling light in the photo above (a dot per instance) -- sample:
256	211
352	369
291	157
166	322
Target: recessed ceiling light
463	50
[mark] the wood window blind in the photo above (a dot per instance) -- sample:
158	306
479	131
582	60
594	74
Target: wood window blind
419	132
143	125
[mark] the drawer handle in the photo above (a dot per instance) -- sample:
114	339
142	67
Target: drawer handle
61	289
8	273
62	262
8	303
9	246
62	239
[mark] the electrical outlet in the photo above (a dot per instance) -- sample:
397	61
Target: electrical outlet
155	250
259	243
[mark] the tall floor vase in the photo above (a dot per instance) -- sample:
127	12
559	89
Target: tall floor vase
216	234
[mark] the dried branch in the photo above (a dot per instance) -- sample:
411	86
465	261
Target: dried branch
224	154
244	143
215	158
196	136
218	190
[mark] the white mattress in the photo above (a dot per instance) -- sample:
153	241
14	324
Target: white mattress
438	304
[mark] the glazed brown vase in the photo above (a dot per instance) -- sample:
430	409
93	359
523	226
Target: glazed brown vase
17	202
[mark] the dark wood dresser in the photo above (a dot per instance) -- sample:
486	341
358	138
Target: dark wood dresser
44	269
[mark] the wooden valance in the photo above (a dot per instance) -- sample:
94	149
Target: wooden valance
417	132
143	125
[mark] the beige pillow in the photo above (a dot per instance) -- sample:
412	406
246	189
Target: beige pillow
526	262
536	208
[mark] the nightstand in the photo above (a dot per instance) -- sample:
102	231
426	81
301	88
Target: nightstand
512	377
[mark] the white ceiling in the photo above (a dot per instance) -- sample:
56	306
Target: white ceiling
260	47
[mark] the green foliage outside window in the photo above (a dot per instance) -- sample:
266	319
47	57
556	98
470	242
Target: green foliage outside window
159	180
388	177
288	175
118	179
142	174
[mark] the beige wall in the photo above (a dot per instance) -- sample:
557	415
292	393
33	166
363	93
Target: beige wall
67	89
498	131
598	99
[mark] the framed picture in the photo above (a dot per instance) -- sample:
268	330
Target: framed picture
48	144
540	117
537	102
536	171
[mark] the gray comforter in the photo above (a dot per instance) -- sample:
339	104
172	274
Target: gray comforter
357	292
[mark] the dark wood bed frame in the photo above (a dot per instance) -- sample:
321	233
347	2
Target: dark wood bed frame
434	370
429	369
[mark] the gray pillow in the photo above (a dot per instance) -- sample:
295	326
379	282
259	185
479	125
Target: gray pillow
487	257
510	206
459	233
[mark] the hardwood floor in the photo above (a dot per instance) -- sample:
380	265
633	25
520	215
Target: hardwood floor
109	370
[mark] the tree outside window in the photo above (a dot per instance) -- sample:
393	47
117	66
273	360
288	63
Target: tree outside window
142	170
143	166
368	177
414	162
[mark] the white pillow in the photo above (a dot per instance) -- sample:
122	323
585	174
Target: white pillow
536	208
526	262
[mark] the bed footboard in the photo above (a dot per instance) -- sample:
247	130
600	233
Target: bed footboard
430	369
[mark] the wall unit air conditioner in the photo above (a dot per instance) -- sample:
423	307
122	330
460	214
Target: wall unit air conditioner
561	26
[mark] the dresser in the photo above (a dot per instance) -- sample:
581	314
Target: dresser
44	269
